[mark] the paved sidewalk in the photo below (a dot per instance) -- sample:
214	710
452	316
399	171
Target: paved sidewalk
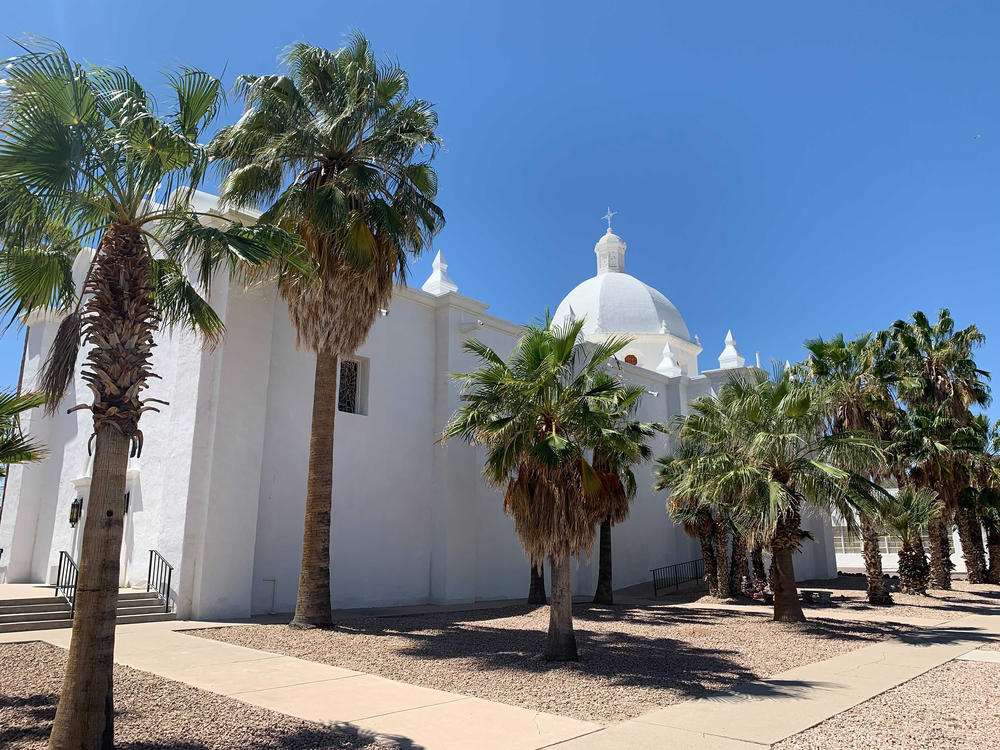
416	717
761	713
752	715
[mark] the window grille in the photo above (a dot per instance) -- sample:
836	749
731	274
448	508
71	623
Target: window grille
347	396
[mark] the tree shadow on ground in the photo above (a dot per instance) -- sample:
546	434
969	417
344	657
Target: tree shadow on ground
618	657
35	714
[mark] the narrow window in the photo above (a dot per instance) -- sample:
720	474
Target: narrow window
347	395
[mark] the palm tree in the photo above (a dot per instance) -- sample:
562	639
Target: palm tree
698	523
989	509
906	516
536	415
940	453
858	377
536	588
15	446
331	150
939	375
988	495
84	153
765	452
700	518
616	452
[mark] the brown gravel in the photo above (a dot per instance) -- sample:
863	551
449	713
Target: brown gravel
633	659
956	705
963	599
152	713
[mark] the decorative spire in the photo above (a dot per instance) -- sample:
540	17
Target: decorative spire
439	282
731	357
668	364
608	216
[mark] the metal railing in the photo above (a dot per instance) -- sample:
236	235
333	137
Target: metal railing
158	580
66	580
672	576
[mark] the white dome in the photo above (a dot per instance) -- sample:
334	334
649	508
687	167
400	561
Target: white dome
619	303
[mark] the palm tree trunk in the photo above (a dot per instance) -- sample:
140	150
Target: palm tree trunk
970	534
604	594
706	535
912	567
993	544
85	716
759	571
536	591
922	567
119	321
561	644
787	607
312	605
878	591
940	563
738	565
722	557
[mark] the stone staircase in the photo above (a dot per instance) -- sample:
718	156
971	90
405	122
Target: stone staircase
43	613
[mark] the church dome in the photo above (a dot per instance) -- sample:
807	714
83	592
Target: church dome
619	303
614	302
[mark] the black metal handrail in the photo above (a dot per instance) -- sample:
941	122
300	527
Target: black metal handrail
66	580
672	576
158	580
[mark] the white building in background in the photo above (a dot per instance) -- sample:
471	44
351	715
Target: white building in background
851	559
219	490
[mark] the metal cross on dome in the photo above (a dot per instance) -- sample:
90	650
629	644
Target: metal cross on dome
608	216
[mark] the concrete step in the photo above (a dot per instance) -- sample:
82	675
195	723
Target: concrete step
123	595
50	605
30	601
60	614
125	617
160	616
145	609
14	627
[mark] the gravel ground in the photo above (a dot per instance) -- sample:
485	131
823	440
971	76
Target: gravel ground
963	599
956	705
633	659
152	713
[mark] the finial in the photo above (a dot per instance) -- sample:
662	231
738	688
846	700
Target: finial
668	363
608	216
439	282
731	357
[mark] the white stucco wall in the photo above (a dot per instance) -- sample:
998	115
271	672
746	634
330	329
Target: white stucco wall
220	487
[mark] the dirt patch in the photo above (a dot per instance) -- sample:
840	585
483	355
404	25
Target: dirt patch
963	599
955	706
152	713
633	658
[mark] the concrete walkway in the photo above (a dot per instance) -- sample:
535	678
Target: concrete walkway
416	717
761	713
752	715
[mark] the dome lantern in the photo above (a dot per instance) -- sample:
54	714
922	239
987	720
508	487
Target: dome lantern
610	250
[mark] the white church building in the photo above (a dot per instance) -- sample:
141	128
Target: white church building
219	490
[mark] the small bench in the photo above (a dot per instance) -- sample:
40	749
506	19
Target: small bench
815	596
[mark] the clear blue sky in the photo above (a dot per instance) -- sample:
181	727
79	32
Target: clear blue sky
782	169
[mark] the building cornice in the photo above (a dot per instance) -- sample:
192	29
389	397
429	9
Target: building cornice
43	315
